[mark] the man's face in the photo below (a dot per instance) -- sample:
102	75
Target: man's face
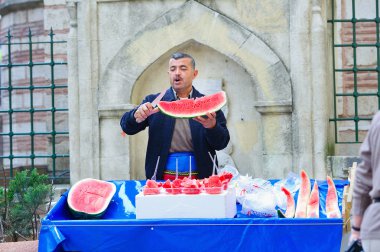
181	75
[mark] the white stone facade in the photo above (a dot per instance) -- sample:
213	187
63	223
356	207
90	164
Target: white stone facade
260	51
273	59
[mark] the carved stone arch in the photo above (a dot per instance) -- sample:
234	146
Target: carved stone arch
229	38
273	97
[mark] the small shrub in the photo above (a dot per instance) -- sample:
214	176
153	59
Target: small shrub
27	195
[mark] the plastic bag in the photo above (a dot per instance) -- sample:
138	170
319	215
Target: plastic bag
243	185
292	182
230	169
260	203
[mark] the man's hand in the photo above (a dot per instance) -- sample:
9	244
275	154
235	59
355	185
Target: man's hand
208	122
144	111
355	235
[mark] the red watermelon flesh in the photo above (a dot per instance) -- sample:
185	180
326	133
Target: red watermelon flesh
168	186
151	187
213	185
90	197
332	207
190	186
189	108
176	185
303	196
225	177
290	206
313	204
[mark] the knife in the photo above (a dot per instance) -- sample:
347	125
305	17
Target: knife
158	98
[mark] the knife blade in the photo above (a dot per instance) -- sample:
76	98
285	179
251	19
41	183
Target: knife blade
158	98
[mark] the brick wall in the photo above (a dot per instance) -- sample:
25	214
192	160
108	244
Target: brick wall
365	58
39	17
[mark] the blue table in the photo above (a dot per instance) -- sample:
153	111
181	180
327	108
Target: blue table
119	230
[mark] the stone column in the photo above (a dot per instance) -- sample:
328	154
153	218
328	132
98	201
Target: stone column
320	117
73	91
277	138
301	80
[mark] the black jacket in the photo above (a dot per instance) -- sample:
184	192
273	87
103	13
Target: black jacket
161	129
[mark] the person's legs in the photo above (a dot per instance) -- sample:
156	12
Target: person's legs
371	245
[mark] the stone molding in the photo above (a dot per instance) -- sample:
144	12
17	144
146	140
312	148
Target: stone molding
114	111
9	6
274	107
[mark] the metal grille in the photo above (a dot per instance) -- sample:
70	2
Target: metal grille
33	112
356	67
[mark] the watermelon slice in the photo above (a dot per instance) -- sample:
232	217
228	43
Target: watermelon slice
303	196
89	198
189	108
332	208
290	206
313	204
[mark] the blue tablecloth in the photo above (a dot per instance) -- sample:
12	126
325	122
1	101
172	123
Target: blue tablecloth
118	230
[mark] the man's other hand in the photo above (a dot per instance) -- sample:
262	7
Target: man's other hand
208	122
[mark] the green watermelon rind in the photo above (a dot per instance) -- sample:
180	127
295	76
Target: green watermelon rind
192	115
80	214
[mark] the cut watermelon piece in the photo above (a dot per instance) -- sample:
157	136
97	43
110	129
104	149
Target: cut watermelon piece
190	186
176	185
151	187
213	185
290	206
332	207
303	196
89	198
167	186
189	108
313	204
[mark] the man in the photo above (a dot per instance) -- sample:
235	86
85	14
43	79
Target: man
189	141
365	211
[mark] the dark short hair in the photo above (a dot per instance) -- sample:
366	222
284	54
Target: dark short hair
179	55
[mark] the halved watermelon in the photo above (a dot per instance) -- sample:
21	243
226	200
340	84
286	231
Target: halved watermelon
313	204
332	207
303	196
89	198
189	108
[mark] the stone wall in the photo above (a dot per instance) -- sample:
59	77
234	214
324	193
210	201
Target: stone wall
263	63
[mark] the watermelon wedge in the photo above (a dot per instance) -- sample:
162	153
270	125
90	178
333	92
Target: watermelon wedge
89	198
332	207
189	108
313	204
303	196
290	206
